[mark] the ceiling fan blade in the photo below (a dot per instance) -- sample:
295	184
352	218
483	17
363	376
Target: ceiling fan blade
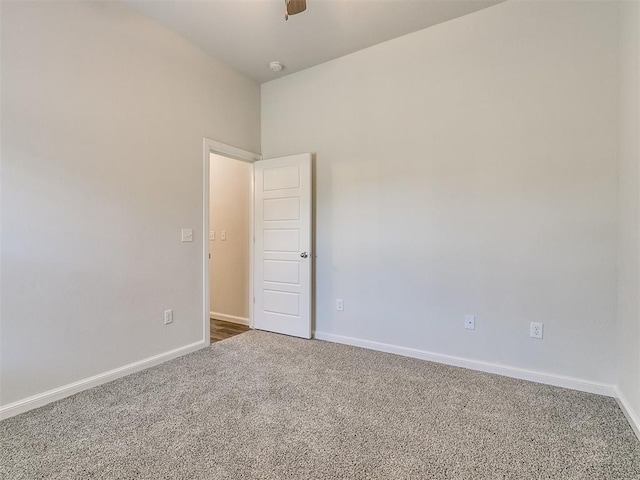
293	7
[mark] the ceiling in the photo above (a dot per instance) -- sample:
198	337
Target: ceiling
248	34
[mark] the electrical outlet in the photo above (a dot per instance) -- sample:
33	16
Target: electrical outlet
168	316
339	304
470	322
535	330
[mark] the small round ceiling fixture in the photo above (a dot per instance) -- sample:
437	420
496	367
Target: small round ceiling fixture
276	66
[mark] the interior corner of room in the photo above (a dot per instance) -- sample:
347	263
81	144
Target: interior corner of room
484	167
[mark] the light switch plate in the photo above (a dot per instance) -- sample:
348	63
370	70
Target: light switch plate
223	235
212	235
187	235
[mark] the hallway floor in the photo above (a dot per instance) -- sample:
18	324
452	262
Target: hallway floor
221	329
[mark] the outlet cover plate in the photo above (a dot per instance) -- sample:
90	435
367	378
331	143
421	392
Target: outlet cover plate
470	322
536	330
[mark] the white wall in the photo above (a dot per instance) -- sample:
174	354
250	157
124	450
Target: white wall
230	204
103	118
469	168
629	213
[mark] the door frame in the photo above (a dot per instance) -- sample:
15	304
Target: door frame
212	146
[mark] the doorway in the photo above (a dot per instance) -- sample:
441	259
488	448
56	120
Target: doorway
280	260
230	198
227	238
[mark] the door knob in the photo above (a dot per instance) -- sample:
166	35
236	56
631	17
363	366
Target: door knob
304	254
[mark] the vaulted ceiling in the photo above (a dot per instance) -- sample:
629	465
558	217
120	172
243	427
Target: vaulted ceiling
248	34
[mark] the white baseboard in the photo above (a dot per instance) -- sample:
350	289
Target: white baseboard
632	417
533	376
41	399
229	318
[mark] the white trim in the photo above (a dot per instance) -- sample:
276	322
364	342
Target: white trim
231	151
210	146
533	376
252	243
632	417
41	399
229	318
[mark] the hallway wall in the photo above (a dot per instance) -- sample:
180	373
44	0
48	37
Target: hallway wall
230	204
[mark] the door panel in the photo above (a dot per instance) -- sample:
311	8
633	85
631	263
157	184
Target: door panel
282	178
283	245
281	271
282	209
282	303
280	240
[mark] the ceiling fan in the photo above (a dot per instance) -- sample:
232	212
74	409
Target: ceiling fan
293	7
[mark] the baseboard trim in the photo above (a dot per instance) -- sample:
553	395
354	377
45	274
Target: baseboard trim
522	374
632	417
41	399
229	318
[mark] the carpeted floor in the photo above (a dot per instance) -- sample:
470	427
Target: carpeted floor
265	406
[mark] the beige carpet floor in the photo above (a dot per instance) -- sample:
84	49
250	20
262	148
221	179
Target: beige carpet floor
265	406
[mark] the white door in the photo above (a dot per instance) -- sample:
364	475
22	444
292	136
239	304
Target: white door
282	270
